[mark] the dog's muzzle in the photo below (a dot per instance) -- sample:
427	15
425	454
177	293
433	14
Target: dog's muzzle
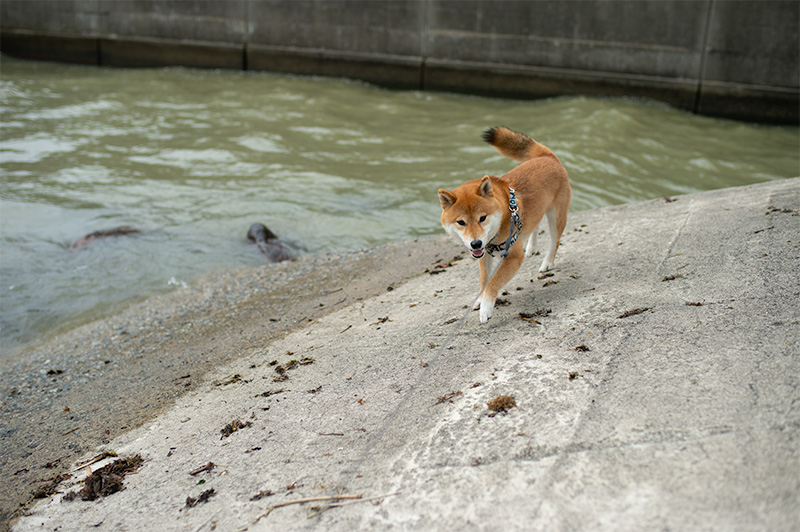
476	248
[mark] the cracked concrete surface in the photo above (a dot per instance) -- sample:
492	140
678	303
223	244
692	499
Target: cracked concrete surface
684	416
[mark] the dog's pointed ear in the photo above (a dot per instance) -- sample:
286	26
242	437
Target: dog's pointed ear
447	198
485	187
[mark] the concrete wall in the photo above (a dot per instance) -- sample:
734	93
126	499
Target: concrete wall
726	58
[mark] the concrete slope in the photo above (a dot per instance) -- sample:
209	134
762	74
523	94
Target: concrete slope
683	416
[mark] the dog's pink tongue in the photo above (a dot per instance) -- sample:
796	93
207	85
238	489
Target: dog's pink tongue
477	253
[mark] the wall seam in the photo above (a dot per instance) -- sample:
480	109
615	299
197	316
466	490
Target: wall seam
246	32
701	75
423	47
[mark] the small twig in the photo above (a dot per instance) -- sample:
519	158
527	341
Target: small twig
417	274
208	467
339	505
302	501
101	456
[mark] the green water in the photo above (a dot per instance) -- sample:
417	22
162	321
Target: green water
192	158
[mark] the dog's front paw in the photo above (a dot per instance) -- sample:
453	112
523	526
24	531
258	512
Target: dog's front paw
546	266
487	309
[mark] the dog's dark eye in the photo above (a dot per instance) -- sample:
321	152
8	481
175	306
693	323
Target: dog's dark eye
461	222
482	219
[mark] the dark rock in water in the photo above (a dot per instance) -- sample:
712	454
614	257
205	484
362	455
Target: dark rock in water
91	237
267	242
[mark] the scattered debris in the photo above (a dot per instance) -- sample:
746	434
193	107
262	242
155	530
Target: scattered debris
531	316
107	480
762	230
501	403
772	208
281	369
208	467
544	276
233	426
668	199
55	371
50	486
582	348
229	380
550	282
671	277
634	312
451	320
261	494
334	503
186	378
694	304
315	390
381	320
447	397
191	502
573	375
500	302
441	266
271	392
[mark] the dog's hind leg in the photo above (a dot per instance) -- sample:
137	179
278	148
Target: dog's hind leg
556	221
530	246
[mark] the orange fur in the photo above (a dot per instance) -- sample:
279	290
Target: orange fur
477	212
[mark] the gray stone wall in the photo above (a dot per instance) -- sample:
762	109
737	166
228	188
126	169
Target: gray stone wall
720	57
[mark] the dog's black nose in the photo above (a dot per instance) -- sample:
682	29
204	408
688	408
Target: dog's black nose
476	244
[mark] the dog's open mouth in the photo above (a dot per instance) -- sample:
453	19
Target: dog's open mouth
477	253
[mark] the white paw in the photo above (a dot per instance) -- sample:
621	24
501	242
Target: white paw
547	265
487	309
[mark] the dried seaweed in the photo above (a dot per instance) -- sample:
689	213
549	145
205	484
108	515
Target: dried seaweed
233	426
501	403
107	480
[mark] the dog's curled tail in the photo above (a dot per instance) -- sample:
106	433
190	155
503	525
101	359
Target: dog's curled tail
514	145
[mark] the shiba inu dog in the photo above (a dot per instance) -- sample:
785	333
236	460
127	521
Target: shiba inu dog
489	214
